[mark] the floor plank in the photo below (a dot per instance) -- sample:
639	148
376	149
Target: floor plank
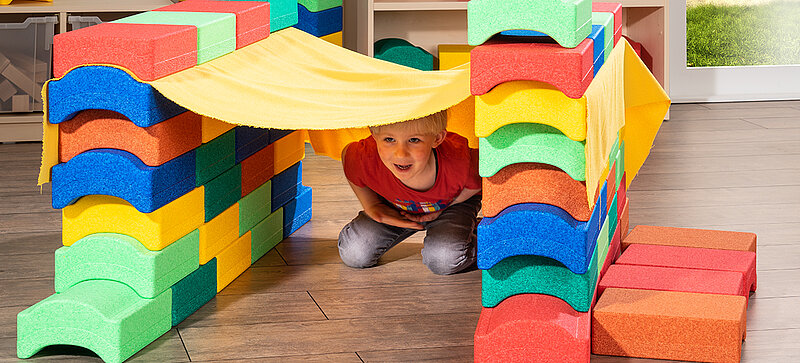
241	310
446	355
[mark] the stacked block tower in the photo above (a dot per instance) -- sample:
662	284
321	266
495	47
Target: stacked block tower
542	245
162	207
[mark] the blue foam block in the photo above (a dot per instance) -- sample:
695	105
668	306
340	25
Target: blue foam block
598	37
603	202
541	230
249	140
193	291
275	134
287	185
297	212
121	174
523	33
107	88
319	23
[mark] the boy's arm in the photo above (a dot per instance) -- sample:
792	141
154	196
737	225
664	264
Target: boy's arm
427	217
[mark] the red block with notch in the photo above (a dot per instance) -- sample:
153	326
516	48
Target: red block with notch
252	17
497	61
257	169
616	9
673	279
149	51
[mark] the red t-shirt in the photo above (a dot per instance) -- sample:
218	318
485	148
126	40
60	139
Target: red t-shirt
457	170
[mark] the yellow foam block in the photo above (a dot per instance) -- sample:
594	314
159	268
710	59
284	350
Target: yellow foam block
211	128
288	151
453	55
233	260
218	233
155	230
335	38
461	120
530	101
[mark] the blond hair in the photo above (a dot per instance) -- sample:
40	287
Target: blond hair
429	125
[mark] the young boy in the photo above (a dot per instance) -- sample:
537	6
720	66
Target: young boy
411	176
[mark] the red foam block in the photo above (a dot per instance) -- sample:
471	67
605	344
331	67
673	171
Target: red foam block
622	196
497	61
690	237
149	51
743	262
528	326
616	9
257	169
252	17
673	279
647	59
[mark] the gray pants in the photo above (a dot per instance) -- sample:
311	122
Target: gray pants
449	244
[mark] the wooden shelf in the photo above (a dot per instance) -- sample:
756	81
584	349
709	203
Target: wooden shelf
57	6
415	5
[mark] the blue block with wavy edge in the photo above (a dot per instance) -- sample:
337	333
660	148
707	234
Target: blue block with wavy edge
319	23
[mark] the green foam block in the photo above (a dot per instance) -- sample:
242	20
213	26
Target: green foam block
121	258
216	32
620	163
612	154
612	218
104	316
401	52
606	20
282	13
194	291
529	142
603	244
214	157
568	22
266	235
223	191
319	5
254	207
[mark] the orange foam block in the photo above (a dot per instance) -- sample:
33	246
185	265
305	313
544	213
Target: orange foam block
673	279
669	325
288	150
535	183
690	237
532	327
252	17
154	145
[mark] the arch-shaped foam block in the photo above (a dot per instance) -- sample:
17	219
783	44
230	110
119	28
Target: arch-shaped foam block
121	174
402	52
319	23
252	17
107	88
567	21
532	102
528	142
117	257
538	229
104	316
319	5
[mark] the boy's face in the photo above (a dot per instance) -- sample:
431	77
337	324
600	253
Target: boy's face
407	152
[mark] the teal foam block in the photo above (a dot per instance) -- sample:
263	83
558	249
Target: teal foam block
282	13
319	5
194	291
121	258
104	316
297	212
530	142
214	157
254	207
216	32
607	21
266	235
222	192
400	51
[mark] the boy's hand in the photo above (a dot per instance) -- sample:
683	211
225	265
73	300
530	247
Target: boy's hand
422	218
385	214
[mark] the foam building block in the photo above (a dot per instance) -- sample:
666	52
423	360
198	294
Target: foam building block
334	38
624	222
154	145
255	207
219	233
213	128
400	51
276	134
613	8
216	32
289	149
13	74
107	88
532	102
743	262
106	317
215	157
233	260
453	55
532	325
121	174
622	195
222	192
252	17
257	169
528	142
690	237
669	325
155	230
640	50
266	235
117	257
614	250
250	140
538	229
193	291
319	5
568	22
607	21
534	183
673	279
297	212
150	51
282	13
598	47
319	23
287	185
6	90
498	61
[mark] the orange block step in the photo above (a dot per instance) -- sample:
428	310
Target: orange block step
690	237
673	279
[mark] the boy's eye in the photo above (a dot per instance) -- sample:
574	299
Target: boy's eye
388	139
414	140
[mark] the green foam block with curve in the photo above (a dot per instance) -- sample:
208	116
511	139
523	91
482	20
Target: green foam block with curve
534	143
401	52
106	317
568	22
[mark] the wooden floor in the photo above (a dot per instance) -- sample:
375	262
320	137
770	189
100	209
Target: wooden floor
723	166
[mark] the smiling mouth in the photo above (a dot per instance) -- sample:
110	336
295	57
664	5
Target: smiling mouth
402	167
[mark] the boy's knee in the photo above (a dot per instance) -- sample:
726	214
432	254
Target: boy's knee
353	251
448	258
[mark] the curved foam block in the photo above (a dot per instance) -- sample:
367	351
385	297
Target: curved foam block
104	316
536	143
532	325
673	279
614	8
266	235
215	157
319	5
223	191
498	61
255	207
233	260
400	51
297	212
155	230
289	150
534	183
252	17
219	233
107	88
319	23
121	174
193	291
154	145
566	21
257	169
532	102
149	51
538	229
691	237
607	21
117	257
